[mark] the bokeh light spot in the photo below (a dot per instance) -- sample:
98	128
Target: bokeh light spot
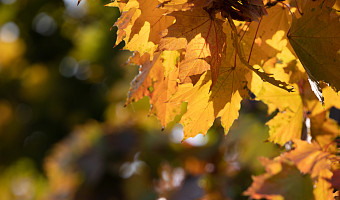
44	24
8	1
83	71
68	67
9	32
75	11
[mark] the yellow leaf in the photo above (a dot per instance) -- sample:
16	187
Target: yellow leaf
286	125
323	188
136	15
140	42
170	59
155	17
204	105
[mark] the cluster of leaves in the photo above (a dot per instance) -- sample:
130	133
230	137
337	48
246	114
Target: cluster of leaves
212	54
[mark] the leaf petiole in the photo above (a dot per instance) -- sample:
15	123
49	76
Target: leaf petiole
264	76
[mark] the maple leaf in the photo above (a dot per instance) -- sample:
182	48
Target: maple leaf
202	38
324	130
125	21
312	159
314	107
140	42
204	105
142	20
316	41
270	36
152	82
323	188
119	4
140	85
281	180
165	86
309	158
287	124
263	75
155	17
293	108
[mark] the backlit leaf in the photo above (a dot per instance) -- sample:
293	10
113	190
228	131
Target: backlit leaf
163	89
316	40
204	105
202	38
309	158
281	181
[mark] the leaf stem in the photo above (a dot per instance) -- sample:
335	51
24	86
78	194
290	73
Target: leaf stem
264	76
297	7
252	45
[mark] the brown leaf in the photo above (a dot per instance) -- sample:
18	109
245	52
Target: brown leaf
336	179
242	10
316	40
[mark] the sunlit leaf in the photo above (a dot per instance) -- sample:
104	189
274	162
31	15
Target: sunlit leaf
281	181
204	105
202	38
309	158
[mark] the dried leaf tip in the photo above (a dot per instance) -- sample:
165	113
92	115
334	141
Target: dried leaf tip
316	89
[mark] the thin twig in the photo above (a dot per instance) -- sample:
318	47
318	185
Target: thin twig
252	45
297	7
264	76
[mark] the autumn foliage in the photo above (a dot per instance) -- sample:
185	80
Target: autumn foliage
209	55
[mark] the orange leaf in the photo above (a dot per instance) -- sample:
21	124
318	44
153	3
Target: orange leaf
309	158
324	130
202	38
281	180
148	73
152	82
164	88
136	15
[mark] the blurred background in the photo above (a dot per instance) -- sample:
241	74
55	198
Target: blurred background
64	131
